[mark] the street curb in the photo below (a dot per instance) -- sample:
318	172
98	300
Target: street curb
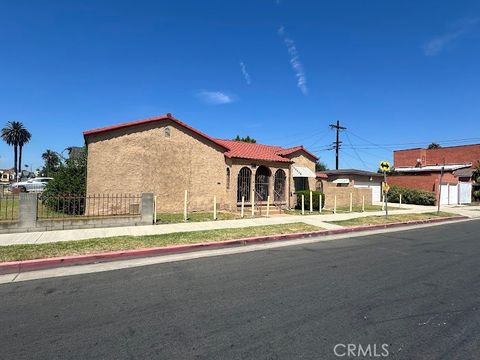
37	264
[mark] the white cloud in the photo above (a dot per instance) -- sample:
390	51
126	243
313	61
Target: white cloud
295	62
438	43
215	97
245	73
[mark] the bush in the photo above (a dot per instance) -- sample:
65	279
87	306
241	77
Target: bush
476	195
69	180
411	196
315	195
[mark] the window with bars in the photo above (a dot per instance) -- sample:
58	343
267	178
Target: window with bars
279	185
243	184
228	178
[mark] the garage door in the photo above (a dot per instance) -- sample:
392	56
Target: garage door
376	189
465	193
449	194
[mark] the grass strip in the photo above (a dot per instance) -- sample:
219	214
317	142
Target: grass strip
99	245
373	220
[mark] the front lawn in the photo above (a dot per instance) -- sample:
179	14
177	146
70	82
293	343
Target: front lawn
372	220
172	218
100	245
342	209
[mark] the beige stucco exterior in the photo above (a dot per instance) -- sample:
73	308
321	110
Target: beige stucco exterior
166	158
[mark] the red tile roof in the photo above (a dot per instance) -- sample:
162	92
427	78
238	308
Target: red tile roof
291	150
321	175
234	149
244	150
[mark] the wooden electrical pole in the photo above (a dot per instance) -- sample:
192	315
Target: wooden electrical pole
337	141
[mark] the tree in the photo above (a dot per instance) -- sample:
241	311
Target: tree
70	177
320	166
24	137
52	162
247	139
15	134
476	173
434	146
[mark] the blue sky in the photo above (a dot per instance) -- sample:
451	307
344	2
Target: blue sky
398	74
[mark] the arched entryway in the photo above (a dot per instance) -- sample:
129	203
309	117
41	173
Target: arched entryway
279	185
243	184
262	182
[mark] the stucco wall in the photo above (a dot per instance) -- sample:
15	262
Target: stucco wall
237	164
143	159
300	158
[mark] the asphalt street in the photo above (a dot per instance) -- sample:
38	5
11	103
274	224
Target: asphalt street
412	294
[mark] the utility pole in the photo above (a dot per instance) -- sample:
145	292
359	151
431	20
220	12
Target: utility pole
337	142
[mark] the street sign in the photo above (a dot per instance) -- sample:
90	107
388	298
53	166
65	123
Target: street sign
385	166
385	187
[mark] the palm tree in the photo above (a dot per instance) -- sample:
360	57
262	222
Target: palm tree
10	135
24	137
52	161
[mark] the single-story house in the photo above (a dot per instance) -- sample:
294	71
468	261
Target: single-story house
352	178
422	169
165	156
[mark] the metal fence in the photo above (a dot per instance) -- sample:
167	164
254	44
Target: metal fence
92	205
9	205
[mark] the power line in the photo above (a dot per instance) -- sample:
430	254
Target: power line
355	150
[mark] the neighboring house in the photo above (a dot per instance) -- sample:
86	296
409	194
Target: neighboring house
353	179
165	156
422	168
6	175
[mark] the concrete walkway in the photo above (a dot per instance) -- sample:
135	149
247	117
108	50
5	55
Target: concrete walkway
317	220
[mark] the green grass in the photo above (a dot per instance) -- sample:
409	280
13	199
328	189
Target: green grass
343	209
9	208
92	246
371	220
171	218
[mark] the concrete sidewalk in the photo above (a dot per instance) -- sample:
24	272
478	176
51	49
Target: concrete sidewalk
317	220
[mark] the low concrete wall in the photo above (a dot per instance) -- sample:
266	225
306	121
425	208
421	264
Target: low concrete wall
28	221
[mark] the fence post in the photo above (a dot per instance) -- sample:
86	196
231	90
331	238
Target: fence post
185	201
27	210
303	204
363	203
400	199
253	203
147	209
351	202
268	205
335	204
214	207
311	201
242	214
155	209
320	203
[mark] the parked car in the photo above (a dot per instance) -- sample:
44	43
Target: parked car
31	185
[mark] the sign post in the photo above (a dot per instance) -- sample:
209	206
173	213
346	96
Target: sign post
385	167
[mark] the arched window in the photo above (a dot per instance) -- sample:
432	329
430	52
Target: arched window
243	184
228	178
167	132
262	179
279	185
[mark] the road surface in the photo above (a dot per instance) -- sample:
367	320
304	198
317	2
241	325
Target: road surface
414	294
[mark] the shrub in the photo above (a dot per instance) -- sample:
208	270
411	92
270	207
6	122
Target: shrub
476	195
69	180
315	195
411	196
